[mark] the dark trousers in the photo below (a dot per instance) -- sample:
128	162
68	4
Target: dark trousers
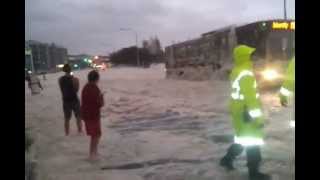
253	155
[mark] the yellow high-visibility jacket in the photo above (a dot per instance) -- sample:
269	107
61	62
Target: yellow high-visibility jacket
287	89
245	106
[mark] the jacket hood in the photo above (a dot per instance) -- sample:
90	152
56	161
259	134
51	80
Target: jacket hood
241	55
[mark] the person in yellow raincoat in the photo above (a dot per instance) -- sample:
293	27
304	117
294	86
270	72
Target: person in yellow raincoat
246	113
287	89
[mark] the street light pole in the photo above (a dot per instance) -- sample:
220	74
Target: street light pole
136	34
285	9
32	63
138	58
28	45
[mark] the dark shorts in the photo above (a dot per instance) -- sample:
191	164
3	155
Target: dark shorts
68	107
93	127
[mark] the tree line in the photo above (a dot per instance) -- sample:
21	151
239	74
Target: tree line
151	52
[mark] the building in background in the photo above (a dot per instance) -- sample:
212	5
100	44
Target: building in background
45	56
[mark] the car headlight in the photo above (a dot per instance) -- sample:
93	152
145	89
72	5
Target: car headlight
292	124
270	74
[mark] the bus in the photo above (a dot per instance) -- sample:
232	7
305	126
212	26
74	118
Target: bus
274	41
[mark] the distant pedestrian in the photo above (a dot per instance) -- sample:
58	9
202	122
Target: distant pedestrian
91	102
287	89
69	86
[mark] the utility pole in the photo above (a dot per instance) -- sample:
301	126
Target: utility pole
28	45
138	58
29	53
32	63
285	9
136	34
172	59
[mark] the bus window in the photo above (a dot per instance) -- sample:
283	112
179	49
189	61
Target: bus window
277	45
284	44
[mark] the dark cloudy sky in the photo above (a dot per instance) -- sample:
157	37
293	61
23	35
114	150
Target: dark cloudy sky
92	26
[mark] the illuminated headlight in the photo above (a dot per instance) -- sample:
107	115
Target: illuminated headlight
292	124
270	74
60	65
